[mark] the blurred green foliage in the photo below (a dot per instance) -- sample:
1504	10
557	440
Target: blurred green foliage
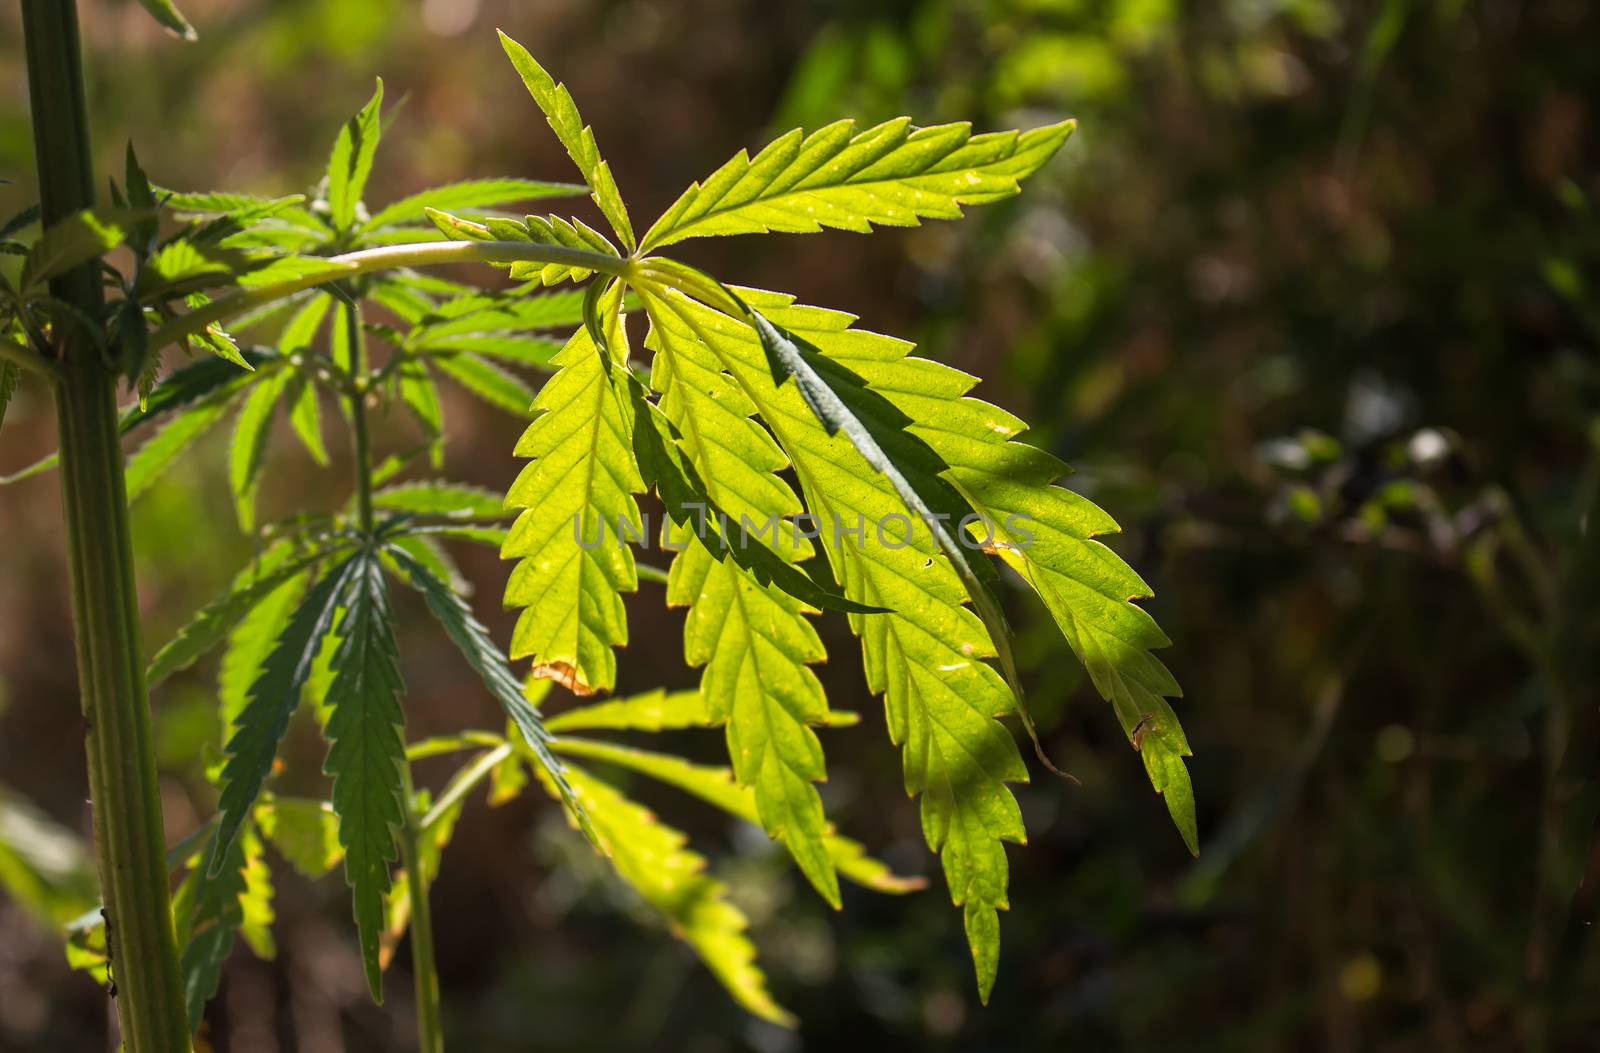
1307	301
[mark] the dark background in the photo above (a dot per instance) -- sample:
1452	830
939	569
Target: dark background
1306	301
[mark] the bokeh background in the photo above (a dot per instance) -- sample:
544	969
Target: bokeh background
1307	301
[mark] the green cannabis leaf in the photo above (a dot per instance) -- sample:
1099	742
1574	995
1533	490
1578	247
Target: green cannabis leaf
469	635
273	696
892	175
562	113
652	858
366	751
351	161
924	488
580	484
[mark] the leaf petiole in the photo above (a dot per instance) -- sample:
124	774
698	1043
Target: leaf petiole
389	257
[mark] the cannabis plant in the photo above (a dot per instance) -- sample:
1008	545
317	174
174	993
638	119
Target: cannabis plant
803	464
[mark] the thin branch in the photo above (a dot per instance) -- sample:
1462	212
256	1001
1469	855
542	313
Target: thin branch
21	355
383	258
463	784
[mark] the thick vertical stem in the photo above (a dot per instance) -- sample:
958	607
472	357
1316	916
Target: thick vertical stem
126	802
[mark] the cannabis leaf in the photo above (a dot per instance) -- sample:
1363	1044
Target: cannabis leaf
580	484
472	639
210	907
652	858
562	113
216	619
366	751
351	161
305	833
891	174
925	652
272	698
881	444
250	435
468	194
751	636
720	788
651	711
439	497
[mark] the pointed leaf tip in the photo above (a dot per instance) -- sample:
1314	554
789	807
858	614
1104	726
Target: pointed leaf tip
165	13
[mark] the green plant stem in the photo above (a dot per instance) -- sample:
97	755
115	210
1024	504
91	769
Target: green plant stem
385	258
358	418
37	364
424	969
481	768
129	840
442	744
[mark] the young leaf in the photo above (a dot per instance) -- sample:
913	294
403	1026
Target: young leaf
20	221
181	266
366	751
562	113
273	696
892	174
540	230
351	161
472	639
469	194
652	858
578	488
188	384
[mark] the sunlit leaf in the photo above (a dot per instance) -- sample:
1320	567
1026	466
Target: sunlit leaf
892	174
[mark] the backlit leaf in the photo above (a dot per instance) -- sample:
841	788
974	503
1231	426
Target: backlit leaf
891	174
